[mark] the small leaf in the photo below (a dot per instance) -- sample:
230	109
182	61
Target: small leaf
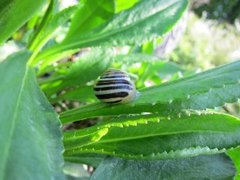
209	89
14	13
30	130
124	4
202	167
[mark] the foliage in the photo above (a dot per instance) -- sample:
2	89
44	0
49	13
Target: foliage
215	167
168	131
9	22
30	134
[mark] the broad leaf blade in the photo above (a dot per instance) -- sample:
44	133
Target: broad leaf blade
30	130
201	167
209	89
198	134
14	13
145	21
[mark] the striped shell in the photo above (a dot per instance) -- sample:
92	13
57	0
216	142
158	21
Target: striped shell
115	86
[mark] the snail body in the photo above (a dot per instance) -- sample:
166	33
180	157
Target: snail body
115	86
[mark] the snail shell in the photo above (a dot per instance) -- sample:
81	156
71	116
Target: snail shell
115	86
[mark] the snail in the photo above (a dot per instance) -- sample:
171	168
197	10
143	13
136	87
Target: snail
115	86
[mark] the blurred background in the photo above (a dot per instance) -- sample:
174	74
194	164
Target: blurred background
212	35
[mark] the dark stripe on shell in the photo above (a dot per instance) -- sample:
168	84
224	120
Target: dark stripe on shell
113	87
112	76
112	95
117	101
113	82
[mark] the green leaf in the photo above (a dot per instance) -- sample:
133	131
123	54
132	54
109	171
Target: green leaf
50	26
201	167
157	72
86	68
143	22
235	156
52	8
124	4
89	15
14	13
198	134
148	69
209	89
30	130
82	94
136	58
